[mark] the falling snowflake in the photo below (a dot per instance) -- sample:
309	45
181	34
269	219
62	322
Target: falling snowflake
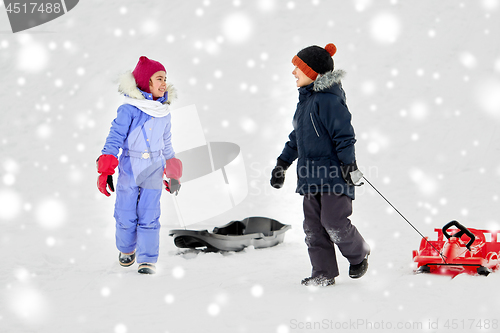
213	309
266	5
105	292
419	110
33	57
169	298
468	60
385	28
488	96
29	304
361	5
51	213
424	183
10	204
257	291
178	272
120	328
237	27
282	329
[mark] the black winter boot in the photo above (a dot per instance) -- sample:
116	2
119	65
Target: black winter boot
318	281
126	260
147	268
357	271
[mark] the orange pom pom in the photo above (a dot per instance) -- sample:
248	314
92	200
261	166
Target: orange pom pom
331	48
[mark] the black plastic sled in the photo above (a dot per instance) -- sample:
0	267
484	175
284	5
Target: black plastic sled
261	232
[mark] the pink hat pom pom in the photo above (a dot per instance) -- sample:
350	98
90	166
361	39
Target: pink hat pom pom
331	48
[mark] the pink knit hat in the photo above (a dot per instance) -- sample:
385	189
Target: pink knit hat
144	70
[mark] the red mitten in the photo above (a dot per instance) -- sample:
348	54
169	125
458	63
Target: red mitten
104	180
173	168
173	171
106	165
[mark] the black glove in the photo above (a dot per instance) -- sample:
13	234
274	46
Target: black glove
173	186
278	173
351	174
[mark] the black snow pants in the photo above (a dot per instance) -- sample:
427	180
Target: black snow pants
326	222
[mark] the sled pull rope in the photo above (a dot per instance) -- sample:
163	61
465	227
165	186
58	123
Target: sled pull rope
423	237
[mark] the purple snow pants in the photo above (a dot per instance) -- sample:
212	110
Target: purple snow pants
137	211
326	222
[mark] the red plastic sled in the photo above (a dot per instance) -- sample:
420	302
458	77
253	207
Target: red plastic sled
463	251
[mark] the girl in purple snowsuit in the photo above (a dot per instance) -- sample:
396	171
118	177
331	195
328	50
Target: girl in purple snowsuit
142	130
323	143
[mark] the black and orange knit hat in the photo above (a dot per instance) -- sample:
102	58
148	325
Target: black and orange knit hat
314	60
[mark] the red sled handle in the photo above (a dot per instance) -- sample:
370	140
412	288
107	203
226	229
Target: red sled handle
463	230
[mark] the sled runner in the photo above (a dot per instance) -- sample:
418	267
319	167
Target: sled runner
261	232
465	250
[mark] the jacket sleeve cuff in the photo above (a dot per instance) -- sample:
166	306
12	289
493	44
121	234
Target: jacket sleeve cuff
281	163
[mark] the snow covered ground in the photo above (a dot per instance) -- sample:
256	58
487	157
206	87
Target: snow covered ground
423	85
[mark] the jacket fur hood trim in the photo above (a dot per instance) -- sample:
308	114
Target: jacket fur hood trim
325	81
128	86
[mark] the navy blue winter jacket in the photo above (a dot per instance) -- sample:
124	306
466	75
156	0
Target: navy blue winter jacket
323	137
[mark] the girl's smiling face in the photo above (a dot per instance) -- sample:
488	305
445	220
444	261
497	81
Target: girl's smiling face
158	84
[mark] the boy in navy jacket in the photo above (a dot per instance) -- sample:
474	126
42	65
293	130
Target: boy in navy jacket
323	142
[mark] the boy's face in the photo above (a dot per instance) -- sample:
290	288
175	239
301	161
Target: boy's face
158	84
302	79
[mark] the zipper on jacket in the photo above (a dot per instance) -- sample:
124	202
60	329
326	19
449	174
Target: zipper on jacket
312	121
